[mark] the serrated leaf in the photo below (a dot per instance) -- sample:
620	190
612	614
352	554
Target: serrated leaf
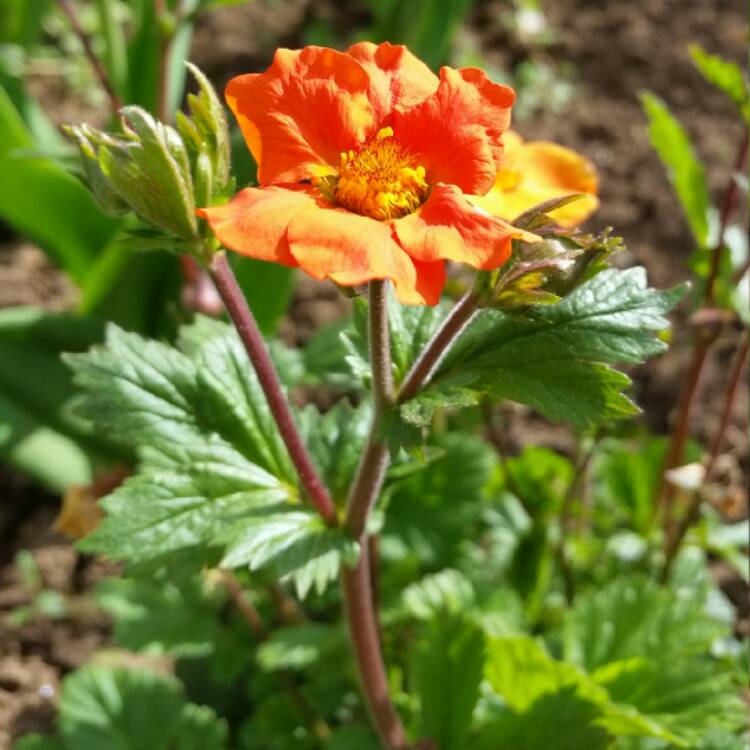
160	617
725	75
685	170
448	591
556	357
537	687
448	671
336	440
298	647
430	510
293	542
643	621
649	647
121	709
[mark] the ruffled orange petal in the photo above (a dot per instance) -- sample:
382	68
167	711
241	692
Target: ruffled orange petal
448	227
299	115
456	133
544	171
398	79
255	221
351	249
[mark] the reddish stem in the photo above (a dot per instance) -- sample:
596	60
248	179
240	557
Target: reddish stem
99	69
363	631
731	195
680	431
247	328
356	583
430	357
692	512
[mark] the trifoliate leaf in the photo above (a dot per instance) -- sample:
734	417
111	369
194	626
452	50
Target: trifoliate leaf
556	357
448	669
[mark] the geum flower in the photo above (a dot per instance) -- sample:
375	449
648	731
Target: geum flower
365	161
537	171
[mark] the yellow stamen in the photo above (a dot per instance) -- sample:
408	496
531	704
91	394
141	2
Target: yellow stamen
507	179
380	180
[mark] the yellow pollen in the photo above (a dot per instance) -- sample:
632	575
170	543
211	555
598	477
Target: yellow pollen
380	180
507	179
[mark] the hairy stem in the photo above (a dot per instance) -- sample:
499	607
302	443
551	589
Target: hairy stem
244	321
429	359
363	631
253	618
356	583
677	535
372	465
99	69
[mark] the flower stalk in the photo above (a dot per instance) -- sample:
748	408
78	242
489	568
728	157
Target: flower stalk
455	322
356	582
247	328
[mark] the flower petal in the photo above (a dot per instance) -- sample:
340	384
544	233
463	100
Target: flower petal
299	115
447	227
397	78
255	221
457	131
352	249
545	171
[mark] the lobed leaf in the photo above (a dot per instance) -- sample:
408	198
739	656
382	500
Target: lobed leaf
556	357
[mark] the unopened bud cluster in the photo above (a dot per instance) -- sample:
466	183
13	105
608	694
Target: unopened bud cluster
160	173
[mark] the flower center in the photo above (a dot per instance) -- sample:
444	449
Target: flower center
507	179
380	180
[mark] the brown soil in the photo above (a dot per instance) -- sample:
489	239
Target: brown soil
617	49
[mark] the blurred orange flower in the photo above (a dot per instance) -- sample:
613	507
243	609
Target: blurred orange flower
365	160
536	171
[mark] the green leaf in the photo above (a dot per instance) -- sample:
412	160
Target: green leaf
45	197
556	357
336	440
684	169
428	28
120	709
643	621
649	647
292	542
430	510
561	720
39	742
448	670
540	690
215	480
160	617
183	409
448	591
725	75
299	647
38	433
358	738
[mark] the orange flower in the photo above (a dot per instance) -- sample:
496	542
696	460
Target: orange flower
536	171
365	159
